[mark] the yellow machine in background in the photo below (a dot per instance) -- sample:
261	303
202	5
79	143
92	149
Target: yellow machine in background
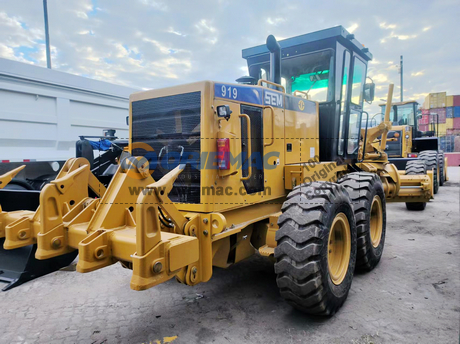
407	146
221	171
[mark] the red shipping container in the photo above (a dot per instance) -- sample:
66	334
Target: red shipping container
423	127
425	111
452	132
438	113
457	144
456	123
424	119
456	100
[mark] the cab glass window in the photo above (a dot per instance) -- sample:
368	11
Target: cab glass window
353	132
405	114
309	73
343	100
359	77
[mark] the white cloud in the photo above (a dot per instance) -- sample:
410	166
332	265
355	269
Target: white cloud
82	15
6	52
384	25
352	27
155	4
163	48
380	78
208	31
397	36
275	21
419	73
204	24
177	33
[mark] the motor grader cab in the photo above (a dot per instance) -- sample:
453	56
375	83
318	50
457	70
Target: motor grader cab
220	171
406	144
330	68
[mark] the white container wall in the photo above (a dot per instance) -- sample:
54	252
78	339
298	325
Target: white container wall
43	112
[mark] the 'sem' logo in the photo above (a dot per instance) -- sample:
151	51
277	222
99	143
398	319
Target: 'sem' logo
301	105
274	99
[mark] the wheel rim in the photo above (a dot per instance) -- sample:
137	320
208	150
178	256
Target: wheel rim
339	248
376	221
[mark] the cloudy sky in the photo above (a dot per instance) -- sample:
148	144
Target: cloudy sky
154	43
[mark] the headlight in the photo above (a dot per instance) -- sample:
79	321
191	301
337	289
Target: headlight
407	136
224	111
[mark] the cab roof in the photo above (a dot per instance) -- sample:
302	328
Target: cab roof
337	32
400	103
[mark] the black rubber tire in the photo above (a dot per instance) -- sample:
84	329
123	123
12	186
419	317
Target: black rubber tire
362	188
302	252
431	161
416	206
415	167
441	167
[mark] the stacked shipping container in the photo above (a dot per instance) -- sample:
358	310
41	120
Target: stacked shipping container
445	110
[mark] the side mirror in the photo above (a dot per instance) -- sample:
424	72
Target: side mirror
369	92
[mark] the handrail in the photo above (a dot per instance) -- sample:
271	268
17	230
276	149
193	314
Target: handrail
273	126
249	149
259	83
365	138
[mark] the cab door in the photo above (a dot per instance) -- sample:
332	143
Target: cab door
352	98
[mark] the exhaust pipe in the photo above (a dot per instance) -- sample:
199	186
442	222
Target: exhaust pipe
275	59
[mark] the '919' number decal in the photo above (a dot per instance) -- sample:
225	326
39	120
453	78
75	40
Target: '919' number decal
229	92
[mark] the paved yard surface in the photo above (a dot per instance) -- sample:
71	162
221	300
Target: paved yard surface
412	297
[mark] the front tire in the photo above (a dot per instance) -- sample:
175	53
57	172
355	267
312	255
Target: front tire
415	167
316	252
368	201
430	157
441	167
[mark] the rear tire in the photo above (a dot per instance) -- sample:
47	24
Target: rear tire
314	259
415	167
431	161
368	201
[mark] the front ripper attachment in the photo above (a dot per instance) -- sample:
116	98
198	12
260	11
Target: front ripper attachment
159	255
19	250
126	228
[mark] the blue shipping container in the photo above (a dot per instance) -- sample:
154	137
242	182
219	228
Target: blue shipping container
447	143
450	112
456	111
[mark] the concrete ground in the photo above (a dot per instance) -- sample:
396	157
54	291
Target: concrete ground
413	296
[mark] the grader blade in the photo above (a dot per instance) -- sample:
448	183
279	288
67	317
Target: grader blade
19	266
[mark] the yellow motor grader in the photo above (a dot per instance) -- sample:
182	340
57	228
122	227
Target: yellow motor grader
277	165
408	146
